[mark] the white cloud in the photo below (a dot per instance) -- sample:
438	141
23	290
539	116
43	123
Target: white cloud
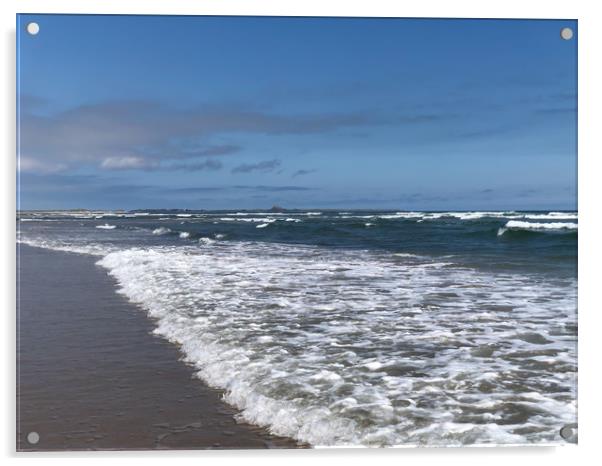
124	163
28	164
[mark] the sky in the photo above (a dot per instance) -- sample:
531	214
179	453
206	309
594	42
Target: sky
132	112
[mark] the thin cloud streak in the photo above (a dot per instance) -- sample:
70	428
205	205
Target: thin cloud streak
264	167
303	172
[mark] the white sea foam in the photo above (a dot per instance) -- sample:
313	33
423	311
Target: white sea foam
519	225
476	215
378	353
184	234
244	214
206	241
39	220
407	215
552	216
248	219
262	225
106	226
66	246
161	231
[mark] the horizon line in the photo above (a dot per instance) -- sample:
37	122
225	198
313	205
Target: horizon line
284	209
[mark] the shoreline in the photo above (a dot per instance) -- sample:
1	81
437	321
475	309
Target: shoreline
92	376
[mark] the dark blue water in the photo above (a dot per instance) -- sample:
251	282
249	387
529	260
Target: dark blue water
473	239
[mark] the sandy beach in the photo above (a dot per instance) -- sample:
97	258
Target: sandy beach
91	375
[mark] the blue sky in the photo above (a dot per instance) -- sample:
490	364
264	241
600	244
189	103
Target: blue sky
217	113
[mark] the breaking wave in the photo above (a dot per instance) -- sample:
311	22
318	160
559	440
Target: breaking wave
532	226
344	365
161	231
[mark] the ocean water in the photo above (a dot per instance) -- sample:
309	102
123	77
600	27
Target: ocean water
356	327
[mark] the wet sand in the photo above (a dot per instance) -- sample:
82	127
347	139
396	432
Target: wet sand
90	374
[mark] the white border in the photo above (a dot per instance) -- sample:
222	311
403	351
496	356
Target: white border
590	229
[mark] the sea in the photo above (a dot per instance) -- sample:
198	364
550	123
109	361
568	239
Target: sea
348	327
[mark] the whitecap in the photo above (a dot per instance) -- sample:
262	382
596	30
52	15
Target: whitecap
552	216
404	254
519	225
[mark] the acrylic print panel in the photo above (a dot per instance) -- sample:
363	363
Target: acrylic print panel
266	232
